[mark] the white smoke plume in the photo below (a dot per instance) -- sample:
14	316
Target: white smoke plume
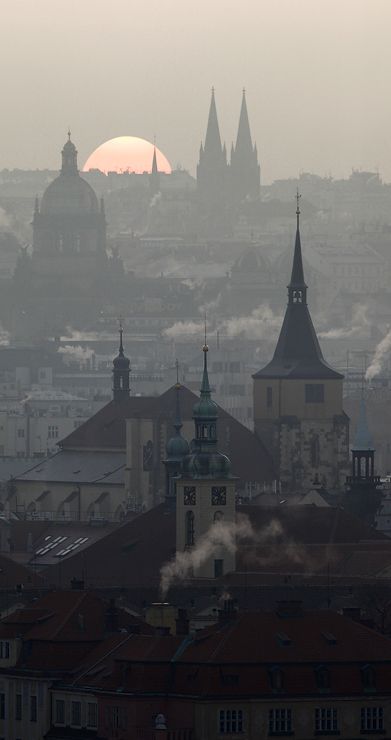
155	199
210	306
5	221
360	323
184	329
262	323
220	534
382	349
76	353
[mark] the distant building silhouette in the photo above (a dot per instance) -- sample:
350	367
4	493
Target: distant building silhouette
220	185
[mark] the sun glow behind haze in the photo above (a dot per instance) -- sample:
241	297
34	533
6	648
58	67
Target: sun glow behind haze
126	154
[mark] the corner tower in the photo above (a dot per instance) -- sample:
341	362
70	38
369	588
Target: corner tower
205	490
298	410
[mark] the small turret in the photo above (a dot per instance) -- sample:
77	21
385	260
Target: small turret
121	371
69	158
205	460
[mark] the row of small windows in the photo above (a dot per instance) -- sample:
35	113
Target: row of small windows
76	713
280	720
32	709
313	393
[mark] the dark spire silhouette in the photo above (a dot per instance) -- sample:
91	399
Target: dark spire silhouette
212	138
298	353
121	371
297	277
245	170
154	170
243	139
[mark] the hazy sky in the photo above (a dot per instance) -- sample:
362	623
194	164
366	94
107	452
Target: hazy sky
317	75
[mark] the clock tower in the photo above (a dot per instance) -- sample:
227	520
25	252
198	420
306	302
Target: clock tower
205	489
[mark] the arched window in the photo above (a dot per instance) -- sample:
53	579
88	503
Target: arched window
189	528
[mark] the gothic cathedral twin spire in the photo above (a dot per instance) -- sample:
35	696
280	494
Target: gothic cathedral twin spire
216	179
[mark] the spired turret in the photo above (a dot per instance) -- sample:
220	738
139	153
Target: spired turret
205	489
121	372
298	410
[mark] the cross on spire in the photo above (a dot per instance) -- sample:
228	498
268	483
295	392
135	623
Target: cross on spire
121	331
298	196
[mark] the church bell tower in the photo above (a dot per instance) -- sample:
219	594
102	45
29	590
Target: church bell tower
205	489
298	411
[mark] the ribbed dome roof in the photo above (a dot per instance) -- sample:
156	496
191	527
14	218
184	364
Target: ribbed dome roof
69	194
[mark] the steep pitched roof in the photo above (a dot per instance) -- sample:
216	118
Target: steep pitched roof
106	431
298	353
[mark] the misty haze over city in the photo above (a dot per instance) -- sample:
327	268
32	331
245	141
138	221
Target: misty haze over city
195	370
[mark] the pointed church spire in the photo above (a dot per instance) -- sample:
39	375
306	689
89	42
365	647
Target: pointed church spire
243	139
121	346
154	170
298	353
212	138
297	289
121	370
